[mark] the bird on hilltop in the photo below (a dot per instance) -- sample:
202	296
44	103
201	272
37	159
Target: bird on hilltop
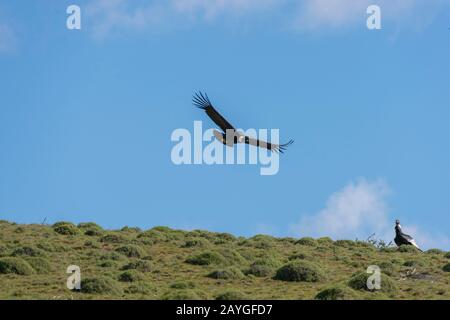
402	238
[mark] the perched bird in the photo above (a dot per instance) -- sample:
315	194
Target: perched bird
402	238
229	135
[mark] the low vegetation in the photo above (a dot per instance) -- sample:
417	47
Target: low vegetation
163	263
300	271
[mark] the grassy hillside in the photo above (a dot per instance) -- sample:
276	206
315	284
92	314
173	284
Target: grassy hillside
162	263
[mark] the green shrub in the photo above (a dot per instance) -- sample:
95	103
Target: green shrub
62	223
441	292
227	273
196	242
108	264
206	258
150	237
364	244
27	251
232	257
162	229
397	261
250	254
101	285
91	244
388	249
140	265
183	285
262	237
130	276
264	267
287	240
211	236
180	295
113	238
19	230
261	241
299	271
356	264
359	282
112	256
3	250
66	229
161	234
140	288
268	259
131	229
89	225
15	265
262	244
93	232
47	246
131	251
218	241
413	263
345	243
446	268
407	248
307	241
447	255
41	265
260	270
232	295
299	256
386	267
325	240
339	292
223	237
434	251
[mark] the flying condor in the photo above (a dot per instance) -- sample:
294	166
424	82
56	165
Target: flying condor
202	101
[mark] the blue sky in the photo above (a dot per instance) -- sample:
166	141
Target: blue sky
86	115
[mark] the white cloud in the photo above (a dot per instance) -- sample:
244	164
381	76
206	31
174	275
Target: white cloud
211	8
427	240
317	13
7	39
356	211
359	210
108	16
314	14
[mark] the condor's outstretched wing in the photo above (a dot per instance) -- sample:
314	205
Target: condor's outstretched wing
267	145
411	240
202	102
